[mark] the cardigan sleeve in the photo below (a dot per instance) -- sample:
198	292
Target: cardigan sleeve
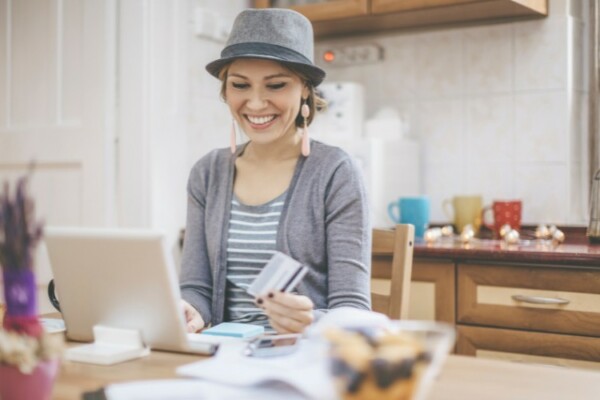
196	278
348	235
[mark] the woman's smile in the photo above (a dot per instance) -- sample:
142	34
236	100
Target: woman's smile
258	122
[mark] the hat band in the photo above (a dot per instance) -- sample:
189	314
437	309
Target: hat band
259	49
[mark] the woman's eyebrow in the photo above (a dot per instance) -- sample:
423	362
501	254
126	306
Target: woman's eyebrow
266	78
279	75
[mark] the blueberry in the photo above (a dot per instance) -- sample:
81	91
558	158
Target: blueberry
383	372
355	379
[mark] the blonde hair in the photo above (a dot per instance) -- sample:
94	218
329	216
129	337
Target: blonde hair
314	101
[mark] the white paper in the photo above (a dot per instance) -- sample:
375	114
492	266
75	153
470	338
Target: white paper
193	389
306	371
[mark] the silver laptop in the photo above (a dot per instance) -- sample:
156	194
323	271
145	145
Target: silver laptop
119	278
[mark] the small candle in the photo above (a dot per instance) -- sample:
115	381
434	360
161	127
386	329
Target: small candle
542	232
432	235
467	234
447	230
512	237
558	237
504	229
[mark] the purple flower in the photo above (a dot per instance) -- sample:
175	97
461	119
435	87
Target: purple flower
19	232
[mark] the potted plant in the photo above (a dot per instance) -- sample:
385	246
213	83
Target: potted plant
29	357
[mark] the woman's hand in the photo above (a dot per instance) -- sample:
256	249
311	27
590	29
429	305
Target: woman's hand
287	312
193	319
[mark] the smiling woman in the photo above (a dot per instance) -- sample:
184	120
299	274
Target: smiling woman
280	191
265	98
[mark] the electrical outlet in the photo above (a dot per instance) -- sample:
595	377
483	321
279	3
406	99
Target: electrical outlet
352	55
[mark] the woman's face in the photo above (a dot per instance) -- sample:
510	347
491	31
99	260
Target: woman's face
264	98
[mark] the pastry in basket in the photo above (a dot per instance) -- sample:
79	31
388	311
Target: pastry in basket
376	364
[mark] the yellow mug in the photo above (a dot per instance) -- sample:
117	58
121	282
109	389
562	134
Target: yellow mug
464	210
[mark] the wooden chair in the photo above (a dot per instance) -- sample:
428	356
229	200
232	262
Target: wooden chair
391	270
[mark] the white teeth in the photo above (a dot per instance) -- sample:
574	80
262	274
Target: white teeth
261	120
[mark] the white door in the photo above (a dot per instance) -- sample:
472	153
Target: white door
57	83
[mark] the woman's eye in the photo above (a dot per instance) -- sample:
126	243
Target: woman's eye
276	86
239	85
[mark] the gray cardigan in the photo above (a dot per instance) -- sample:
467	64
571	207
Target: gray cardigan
324	224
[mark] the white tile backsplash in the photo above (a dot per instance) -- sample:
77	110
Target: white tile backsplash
440	64
541	54
400	70
490	135
579	201
489	59
541	126
442	181
492	180
544	191
441	131
578	74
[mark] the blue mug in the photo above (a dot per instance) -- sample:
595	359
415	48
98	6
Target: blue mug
411	210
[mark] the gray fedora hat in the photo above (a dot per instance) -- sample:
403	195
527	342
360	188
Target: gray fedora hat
273	34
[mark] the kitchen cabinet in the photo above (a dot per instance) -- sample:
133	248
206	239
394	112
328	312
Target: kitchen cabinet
529	313
533	303
324	10
343	17
529	347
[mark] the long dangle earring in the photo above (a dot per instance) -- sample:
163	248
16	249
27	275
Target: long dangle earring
305	112
232	143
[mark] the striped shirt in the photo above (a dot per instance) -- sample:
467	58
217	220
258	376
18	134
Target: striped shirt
251	242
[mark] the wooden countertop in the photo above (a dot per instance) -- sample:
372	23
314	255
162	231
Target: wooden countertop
528	251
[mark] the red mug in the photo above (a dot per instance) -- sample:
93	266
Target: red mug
504	212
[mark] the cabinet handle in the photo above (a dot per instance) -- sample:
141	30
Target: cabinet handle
539	300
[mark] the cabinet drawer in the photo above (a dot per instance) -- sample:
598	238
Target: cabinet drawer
531	347
558	300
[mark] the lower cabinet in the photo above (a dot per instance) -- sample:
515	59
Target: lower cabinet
525	313
526	346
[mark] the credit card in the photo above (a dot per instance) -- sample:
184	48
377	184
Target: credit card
281	274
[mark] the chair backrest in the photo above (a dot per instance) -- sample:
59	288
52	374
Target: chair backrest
391	270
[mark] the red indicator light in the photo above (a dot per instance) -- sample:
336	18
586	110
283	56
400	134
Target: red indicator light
329	56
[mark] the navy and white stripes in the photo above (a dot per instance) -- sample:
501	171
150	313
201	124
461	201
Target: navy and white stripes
251	242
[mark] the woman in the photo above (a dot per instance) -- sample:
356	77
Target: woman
278	192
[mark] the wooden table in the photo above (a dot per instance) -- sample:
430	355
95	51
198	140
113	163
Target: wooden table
463	378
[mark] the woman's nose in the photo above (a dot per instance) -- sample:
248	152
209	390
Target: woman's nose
256	100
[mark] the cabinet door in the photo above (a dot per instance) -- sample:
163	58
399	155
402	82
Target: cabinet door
531	347
321	11
432	295
386	6
468	8
560	300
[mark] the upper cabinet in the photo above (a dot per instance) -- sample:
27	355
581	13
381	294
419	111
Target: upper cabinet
343	17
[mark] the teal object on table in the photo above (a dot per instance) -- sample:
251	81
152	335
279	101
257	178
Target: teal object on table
235	329
411	210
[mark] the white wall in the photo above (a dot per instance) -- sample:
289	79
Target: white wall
500	110
170	113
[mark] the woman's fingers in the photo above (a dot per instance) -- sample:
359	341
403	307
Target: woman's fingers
279	328
288	312
193	319
290	300
286	324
